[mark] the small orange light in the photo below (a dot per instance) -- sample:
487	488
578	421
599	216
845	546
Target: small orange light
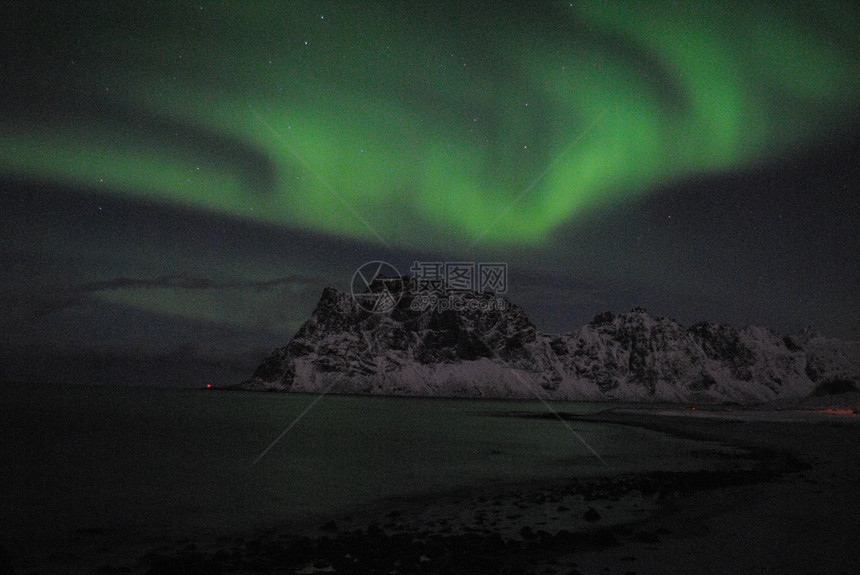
208	385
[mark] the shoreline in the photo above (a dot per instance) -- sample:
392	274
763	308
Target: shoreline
672	521
768	492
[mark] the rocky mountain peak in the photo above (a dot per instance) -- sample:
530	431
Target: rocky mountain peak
402	336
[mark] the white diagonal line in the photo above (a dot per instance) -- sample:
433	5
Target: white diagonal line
292	424
510	205
566	423
318	176
545	403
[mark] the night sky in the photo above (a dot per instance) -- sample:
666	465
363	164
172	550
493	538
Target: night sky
179	181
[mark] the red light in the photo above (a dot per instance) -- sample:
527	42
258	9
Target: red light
208	385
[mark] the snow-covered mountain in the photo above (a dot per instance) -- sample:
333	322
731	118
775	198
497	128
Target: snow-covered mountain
483	346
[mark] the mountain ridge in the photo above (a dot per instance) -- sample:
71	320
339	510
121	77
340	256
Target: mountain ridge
488	347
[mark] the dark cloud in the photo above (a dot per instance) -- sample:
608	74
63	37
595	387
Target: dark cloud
194	283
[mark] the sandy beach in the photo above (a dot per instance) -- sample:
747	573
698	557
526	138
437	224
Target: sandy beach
785	502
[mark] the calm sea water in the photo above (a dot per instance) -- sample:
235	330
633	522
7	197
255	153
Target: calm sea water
171	462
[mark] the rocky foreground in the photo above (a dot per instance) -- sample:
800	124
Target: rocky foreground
478	345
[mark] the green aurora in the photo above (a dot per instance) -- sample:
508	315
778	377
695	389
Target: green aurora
497	122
